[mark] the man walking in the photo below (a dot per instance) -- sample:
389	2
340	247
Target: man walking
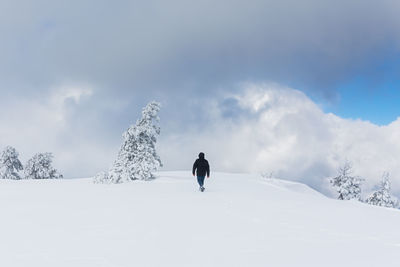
202	167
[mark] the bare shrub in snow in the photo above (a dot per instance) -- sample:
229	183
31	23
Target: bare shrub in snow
347	185
382	196
101	178
267	175
137	157
40	167
10	164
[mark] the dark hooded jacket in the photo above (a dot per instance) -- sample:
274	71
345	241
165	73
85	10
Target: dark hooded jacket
201	165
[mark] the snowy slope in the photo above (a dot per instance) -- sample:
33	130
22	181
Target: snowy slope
241	220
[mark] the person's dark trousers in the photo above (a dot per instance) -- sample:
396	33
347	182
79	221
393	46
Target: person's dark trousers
200	180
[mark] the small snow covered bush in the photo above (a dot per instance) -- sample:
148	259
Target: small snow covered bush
382	196
40	167
101	178
347	185
137	158
10	164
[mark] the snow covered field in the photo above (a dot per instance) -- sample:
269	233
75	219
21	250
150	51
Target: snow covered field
240	220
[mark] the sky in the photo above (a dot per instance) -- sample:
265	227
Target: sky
75	74
368	101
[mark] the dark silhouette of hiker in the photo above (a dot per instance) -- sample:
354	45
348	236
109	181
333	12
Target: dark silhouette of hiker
202	167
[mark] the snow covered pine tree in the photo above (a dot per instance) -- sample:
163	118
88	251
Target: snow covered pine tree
348	186
10	164
382	196
137	157
39	167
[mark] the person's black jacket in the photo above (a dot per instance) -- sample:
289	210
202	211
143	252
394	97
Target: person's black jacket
201	164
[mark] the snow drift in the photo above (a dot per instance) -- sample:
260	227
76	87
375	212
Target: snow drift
240	220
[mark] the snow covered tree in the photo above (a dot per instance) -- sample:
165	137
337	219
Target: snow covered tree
137	157
40	167
348	186
382	196
10	164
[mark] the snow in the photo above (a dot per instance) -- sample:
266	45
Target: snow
240	220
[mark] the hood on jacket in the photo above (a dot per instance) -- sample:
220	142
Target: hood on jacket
201	155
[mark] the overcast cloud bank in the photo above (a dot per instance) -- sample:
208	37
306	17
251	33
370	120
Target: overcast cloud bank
154	45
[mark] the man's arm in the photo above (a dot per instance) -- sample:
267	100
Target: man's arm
194	167
208	170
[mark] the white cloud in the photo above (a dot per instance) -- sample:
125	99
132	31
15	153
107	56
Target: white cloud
75	92
35	125
57	103
288	134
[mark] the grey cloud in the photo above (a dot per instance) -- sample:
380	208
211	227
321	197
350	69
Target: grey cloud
166	45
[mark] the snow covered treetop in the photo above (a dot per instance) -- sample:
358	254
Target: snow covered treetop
150	111
145	124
